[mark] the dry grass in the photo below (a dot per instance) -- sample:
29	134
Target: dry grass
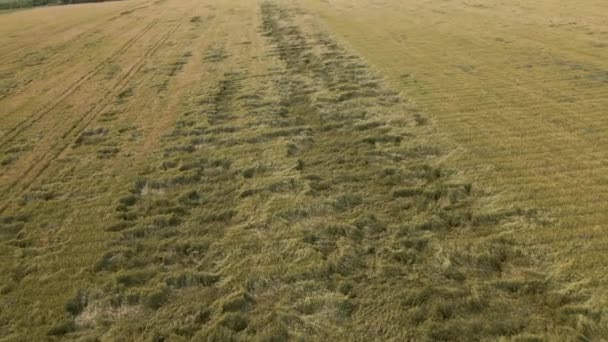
233	171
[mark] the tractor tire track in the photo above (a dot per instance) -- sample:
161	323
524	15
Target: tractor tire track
34	118
61	145
16	52
49	68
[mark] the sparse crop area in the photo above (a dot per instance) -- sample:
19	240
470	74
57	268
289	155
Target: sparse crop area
277	170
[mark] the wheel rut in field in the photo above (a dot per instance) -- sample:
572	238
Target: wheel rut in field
39	115
55	57
17	47
36	168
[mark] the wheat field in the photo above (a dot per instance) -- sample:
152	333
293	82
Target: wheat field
316	170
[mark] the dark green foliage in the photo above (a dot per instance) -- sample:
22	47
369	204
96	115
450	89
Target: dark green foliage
369	223
190	198
238	302
62	328
91	136
75	305
155	299
522	286
234	321
407	192
186	279
12	225
347	201
134	278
